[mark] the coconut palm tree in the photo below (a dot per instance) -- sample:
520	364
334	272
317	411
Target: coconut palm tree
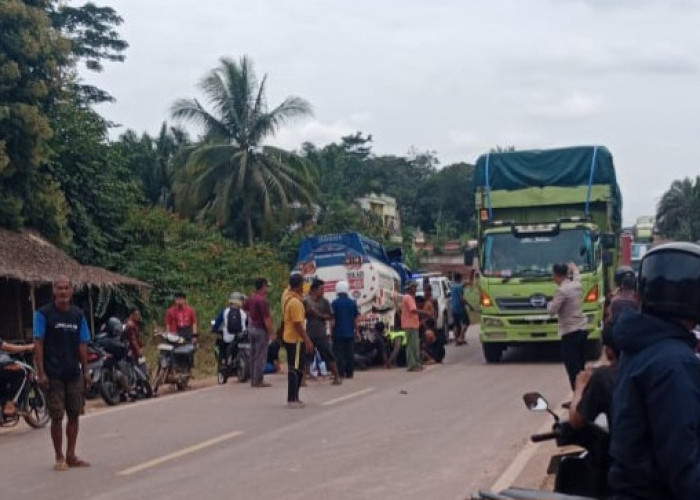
230	174
678	211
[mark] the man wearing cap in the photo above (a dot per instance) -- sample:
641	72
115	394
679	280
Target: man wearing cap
345	323
410	323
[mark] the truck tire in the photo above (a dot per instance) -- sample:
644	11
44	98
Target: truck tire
493	352
594	348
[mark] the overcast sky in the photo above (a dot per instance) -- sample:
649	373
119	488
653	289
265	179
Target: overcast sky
456	77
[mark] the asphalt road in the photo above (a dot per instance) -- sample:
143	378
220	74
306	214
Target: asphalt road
439	434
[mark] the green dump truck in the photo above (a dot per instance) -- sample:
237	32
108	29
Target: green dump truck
535	209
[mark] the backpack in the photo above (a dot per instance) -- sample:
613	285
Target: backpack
234	321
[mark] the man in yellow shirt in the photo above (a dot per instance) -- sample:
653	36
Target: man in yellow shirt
296	341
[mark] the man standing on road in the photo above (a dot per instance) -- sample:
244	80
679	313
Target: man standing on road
345	323
567	304
410	323
181	318
296	341
655	443
318	313
460	316
260	330
61	335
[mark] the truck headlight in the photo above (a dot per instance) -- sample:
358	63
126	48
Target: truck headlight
492	322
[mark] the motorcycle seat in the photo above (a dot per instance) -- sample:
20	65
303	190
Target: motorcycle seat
165	347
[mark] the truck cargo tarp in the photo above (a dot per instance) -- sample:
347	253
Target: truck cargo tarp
565	167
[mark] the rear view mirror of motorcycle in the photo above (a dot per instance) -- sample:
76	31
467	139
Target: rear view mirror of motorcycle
534	401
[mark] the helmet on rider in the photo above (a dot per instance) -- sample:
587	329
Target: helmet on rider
342	287
669	281
236	299
114	327
621	272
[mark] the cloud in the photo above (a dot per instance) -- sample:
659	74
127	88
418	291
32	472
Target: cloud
319	132
574	105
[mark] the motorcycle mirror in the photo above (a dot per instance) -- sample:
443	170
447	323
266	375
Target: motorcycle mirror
535	402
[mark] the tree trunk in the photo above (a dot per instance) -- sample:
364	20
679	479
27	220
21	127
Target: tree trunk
249	228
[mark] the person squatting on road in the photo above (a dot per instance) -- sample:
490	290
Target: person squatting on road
567	304
655	443
296	341
260	331
318	314
345	324
61	335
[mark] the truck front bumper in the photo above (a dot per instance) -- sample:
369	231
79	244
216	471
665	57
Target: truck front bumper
524	328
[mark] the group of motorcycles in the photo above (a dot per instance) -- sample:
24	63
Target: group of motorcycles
580	474
118	376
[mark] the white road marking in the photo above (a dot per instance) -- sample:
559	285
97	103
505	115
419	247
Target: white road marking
140	404
348	396
520	462
177	454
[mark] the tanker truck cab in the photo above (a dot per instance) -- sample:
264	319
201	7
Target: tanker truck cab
516	282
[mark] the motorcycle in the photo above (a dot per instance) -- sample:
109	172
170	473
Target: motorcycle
96	358
232	359
580	474
175	360
121	377
32	404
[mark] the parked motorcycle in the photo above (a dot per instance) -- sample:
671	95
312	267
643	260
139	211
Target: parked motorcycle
580	474
32	404
121	375
175	361
96	357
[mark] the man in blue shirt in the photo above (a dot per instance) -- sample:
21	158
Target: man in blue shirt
344	327
61	335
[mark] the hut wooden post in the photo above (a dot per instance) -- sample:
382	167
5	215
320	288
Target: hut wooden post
92	311
32	300
18	297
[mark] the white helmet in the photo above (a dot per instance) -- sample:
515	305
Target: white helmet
342	287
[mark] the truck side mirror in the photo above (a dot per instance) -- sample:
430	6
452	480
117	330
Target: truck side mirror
469	256
607	258
607	240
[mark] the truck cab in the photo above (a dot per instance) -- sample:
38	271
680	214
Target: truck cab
516	284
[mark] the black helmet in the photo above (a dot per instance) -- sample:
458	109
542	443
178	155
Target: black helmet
669	281
114	327
621	272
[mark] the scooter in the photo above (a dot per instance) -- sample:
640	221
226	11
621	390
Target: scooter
32	403
580	474
96	359
232	359
175	360
121	376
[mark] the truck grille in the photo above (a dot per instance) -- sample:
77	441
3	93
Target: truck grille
520	304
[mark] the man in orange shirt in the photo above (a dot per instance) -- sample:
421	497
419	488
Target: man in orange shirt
295	338
410	323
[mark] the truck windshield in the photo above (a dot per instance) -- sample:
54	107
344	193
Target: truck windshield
507	254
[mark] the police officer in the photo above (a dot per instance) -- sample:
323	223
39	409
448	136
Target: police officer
655	447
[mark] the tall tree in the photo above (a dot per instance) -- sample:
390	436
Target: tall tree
31	55
678	211
230	172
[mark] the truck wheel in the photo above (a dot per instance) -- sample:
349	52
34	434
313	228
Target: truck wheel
594	348
493	352
446	328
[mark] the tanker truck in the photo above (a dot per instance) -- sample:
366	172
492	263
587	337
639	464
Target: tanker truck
375	276
535	209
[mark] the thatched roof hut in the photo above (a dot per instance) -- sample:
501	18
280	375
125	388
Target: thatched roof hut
28	265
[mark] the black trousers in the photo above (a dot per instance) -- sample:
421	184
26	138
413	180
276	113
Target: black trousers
295	369
573	352
344	350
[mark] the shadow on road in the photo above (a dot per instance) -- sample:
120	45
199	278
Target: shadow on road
535	354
